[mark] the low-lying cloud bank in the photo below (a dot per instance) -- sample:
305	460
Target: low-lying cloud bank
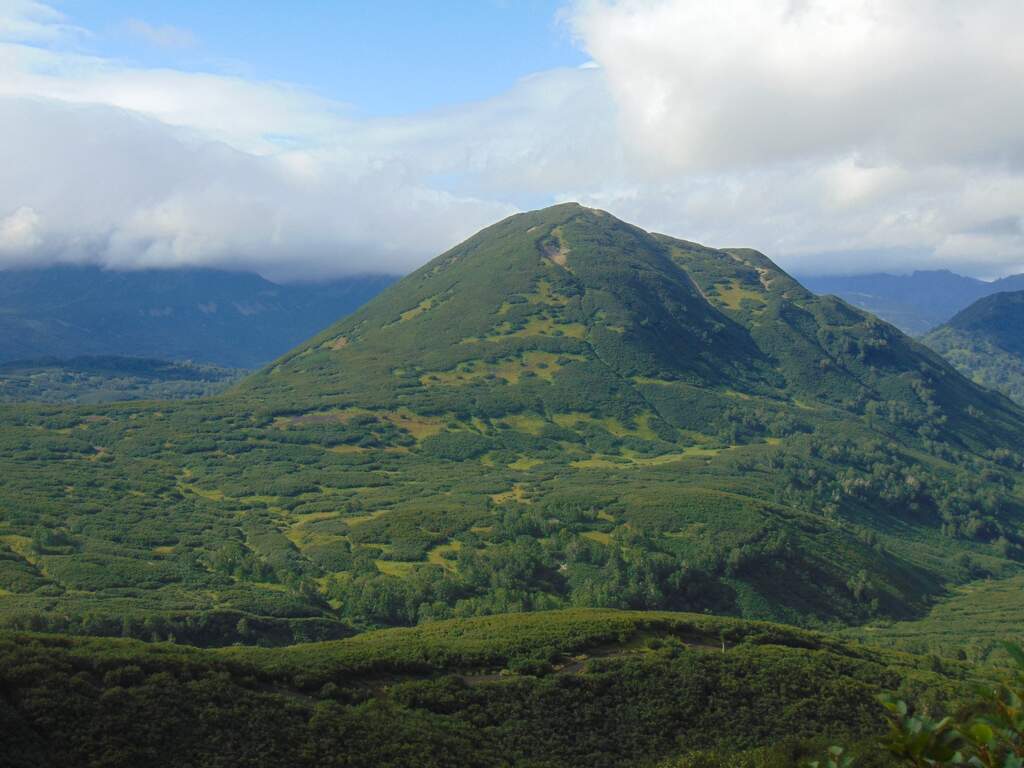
836	136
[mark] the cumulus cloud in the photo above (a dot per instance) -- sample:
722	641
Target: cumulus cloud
836	135
822	125
97	183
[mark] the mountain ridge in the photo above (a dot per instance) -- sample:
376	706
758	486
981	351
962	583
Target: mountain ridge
916	303
233	319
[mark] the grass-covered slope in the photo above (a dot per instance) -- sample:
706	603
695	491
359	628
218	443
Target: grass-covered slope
567	688
986	342
562	411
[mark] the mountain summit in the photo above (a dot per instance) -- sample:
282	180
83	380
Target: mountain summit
570	310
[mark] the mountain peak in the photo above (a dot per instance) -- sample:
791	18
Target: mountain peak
569	309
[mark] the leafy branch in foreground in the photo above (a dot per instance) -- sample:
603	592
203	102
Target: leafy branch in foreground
993	737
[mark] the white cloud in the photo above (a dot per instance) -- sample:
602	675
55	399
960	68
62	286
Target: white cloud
129	191
31	22
20	233
835	135
738	82
867	128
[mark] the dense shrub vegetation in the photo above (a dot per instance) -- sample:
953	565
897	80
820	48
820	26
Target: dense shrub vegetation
558	689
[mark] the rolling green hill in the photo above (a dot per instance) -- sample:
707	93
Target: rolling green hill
986	342
566	688
562	411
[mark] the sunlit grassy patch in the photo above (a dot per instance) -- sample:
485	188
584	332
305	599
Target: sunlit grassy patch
533	425
543	365
546	295
22	545
419	427
642	427
630	459
394	567
517	493
540	325
445	554
733	294
424	306
209	495
524	464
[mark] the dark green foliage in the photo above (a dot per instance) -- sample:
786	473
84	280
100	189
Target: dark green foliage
571	688
989	733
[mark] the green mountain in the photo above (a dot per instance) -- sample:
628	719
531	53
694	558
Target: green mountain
562	411
986	342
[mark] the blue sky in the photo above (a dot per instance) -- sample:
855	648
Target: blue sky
321	138
382	58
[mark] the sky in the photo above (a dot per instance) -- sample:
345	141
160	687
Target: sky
319	139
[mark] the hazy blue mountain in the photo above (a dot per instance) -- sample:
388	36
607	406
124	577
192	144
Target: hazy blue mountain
917	302
233	319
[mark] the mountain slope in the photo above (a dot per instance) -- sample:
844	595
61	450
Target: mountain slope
986	342
233	319
569	308
563	410
916	303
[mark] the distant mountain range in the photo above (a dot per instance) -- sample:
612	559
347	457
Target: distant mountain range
241	320
914	303
986	342
233	319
